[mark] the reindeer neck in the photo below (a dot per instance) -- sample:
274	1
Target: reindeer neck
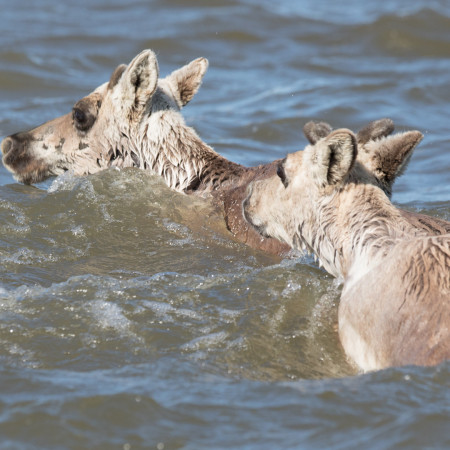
217	173
175	151
357	227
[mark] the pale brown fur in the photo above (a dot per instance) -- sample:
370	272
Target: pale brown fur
134	120
386	157
395	303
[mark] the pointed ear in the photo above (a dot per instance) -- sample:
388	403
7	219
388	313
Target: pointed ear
315	131
375	130
332	158
390	156
139	81
186	81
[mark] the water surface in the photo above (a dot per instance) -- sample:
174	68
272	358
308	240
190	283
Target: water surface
129	318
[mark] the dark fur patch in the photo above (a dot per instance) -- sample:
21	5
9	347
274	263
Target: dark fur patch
375	130
15	148
61	144
84	113
23	139
314	131
116	75
193	185
281	173
7	144
136	159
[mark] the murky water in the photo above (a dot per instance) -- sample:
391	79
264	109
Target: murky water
128	316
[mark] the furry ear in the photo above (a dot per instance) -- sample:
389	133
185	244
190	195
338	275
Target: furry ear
315	131
139	80
375	130
186	81
390	156
332	158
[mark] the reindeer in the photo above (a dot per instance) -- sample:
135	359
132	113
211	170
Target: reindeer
135	120
395	302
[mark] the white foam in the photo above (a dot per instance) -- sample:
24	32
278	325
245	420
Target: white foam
65	182
165	311
28	256
206	342
290	288
110	315
78	231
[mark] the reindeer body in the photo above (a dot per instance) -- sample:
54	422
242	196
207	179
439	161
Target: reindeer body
134	120
398	312
395	303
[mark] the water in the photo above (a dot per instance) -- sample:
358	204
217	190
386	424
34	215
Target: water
128	316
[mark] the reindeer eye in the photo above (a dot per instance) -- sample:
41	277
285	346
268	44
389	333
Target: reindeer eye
281	173
79	115
81	119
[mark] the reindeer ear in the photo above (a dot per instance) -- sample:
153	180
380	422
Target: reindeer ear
375	130
315	131
332	158
391	155
139	80
186	81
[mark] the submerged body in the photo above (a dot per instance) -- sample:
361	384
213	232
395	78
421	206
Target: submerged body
135	120
407	313
395	303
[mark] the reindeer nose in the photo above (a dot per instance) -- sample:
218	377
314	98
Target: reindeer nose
16	141
7	145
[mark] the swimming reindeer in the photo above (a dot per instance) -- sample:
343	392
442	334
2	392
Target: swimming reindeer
134	120
395	303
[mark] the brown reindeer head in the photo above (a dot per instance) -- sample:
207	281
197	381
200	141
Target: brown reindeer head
287	205
107	127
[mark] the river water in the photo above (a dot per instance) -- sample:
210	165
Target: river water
129	318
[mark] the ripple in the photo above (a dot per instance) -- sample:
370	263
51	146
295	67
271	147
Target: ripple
129	318
419	34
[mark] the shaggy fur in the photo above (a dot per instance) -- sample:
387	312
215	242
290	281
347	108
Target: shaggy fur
386	157
134	120
395	304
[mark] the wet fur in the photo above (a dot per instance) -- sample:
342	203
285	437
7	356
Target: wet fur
134	120
395	303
